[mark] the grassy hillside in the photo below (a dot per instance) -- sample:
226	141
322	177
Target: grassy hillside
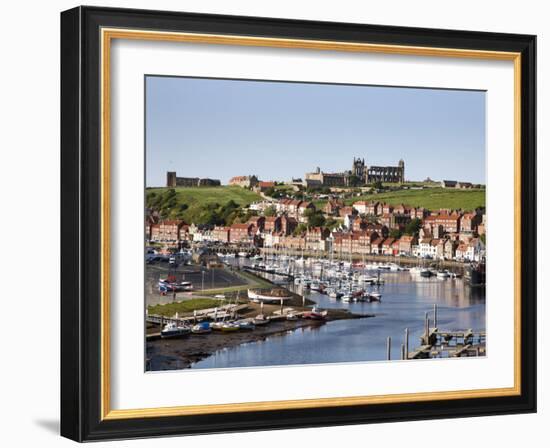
190	204
430	198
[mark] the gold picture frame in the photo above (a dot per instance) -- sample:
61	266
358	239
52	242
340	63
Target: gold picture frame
106	31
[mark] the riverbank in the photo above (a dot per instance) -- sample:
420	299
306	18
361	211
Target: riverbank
170	354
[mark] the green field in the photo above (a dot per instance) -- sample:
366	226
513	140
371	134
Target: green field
430	198
196	199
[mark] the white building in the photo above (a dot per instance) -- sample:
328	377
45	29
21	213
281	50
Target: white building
361	207
348	221
426	248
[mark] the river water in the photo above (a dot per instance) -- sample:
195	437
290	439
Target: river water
405	300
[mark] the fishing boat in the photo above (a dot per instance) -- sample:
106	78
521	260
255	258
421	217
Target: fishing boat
333	294
346	298
291	316
443	274
243	254
375	297
367	278
269	295
216	325
246	324
426	273
201	328
230	327
315	314
261	319
171	330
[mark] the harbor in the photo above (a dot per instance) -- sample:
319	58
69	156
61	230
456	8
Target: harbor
402	301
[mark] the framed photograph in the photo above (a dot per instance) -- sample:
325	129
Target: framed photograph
273	223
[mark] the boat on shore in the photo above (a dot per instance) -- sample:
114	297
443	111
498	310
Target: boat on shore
201	328
172	330
261	319
275	295
246	324
315	314
230	327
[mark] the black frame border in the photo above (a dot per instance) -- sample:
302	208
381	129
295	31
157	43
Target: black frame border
81	223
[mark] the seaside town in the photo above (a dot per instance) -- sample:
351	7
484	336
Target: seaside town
302	252
292	222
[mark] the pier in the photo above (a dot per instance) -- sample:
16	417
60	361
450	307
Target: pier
209	313
268	271
439	343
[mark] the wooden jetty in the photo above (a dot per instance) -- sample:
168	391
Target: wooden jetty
439	343
268	271
208	313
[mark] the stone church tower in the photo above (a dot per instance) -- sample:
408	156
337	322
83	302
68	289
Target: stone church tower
358	168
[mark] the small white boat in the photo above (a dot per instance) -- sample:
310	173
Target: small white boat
216	325
375	296
246	324
315	314
171	330
201	328
230	326
261	319
275	295
315	286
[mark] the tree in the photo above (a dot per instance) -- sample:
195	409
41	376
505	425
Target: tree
300	228
210	217
270	211
315	218
331	223
413	227
395	233
378	185
354	181
269	191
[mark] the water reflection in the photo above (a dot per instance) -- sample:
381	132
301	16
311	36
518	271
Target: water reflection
405	300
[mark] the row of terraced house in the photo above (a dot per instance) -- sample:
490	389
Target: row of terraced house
365	228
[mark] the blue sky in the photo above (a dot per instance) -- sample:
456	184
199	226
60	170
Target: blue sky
278	130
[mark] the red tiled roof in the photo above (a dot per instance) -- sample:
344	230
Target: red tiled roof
244	226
